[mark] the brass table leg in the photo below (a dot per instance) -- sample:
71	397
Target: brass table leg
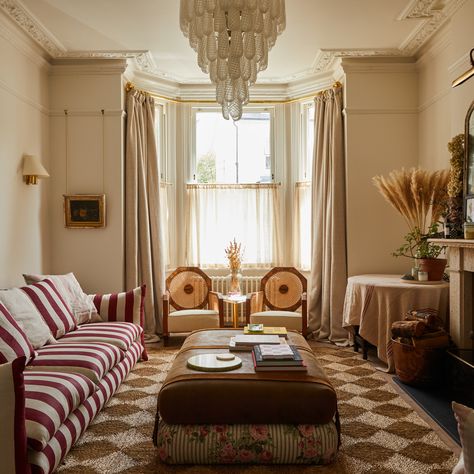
235	314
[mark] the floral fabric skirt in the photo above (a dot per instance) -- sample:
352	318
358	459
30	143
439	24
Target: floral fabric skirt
252	444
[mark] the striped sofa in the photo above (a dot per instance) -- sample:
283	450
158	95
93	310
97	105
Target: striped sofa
51	392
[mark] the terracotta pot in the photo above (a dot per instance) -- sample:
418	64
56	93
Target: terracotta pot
434	267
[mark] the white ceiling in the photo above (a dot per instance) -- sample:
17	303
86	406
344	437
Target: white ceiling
359	26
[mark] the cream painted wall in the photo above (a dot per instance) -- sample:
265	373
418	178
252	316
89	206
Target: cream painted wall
442	109
381	135
24	232
94	255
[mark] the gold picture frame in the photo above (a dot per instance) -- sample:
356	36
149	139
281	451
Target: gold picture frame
84	211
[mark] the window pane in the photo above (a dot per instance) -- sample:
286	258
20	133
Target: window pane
309	141
233	152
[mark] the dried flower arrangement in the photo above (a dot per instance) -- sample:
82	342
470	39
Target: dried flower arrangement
420	197
234	254
454	218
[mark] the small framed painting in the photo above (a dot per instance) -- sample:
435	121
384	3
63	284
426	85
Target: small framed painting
84	210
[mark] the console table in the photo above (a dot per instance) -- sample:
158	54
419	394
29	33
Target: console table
374	302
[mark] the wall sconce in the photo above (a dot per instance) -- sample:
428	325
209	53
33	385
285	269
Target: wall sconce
469	73
33	169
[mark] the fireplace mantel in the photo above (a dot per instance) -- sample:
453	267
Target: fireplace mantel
461	277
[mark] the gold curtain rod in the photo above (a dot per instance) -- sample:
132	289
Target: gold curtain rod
130	86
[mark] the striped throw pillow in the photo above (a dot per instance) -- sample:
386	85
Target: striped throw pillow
13	452
13	340
126	306
52	307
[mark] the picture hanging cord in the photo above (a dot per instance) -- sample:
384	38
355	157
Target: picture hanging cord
66	147
103	151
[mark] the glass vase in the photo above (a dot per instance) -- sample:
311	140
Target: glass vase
235	278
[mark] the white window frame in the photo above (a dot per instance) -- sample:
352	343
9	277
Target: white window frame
304	173
247	109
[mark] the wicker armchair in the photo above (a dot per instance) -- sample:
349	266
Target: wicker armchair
188	291
283	292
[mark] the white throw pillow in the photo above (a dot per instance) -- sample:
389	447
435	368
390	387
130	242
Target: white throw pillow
27	316
465	418
80	304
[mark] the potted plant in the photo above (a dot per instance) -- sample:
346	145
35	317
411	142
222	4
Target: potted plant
420	197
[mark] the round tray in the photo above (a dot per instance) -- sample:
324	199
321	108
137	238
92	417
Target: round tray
210	363
418	282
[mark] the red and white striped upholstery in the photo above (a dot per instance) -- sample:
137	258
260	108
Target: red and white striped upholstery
13	341
52	307
93	360
12	421
122	335
50	397
126	307
48	459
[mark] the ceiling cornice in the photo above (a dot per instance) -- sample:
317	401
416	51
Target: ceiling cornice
432	17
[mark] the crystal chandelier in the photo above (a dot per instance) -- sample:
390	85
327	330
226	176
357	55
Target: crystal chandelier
232	39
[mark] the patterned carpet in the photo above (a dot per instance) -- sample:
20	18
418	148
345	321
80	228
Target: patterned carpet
381	434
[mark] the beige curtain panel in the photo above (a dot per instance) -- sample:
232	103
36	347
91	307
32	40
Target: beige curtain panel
144	252
328	278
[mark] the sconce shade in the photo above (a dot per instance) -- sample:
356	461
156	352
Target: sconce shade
33	169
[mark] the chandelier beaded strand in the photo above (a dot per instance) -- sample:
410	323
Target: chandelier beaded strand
232	39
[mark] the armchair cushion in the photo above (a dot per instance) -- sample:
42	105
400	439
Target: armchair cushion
188	320
288	319
13	341
125	307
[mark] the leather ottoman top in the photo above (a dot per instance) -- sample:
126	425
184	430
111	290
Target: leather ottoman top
243	395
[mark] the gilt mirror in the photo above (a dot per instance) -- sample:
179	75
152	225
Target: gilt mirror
469	165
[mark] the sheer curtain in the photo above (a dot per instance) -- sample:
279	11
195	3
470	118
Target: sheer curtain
144	262
302	226
217	214
328	279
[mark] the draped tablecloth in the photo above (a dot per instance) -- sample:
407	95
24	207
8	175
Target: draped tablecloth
374	302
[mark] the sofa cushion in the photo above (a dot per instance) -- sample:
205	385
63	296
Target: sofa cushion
52	307
93	360
127	306
13	453
49	399
81	305
27	316
121	335
13	340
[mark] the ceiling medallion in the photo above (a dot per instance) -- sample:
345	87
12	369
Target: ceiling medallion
232	39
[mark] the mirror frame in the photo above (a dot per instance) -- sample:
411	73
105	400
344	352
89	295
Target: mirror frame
469	164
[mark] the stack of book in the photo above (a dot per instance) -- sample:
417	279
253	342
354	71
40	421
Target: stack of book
267	330
280	358
245	342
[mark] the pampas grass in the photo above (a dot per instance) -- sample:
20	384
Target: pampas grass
418	195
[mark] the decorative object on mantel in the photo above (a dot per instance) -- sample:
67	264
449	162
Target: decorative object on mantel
469	171
453	223
466	75
234	254
232	39
420	197
84	210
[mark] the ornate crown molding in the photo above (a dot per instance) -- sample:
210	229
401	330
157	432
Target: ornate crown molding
32	26
432	13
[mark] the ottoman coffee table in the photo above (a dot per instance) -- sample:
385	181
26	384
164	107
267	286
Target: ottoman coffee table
243	416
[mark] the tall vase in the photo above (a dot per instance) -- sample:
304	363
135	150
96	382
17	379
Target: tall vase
234	284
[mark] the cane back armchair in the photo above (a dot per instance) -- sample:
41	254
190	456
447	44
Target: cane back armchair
283	292
188	292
